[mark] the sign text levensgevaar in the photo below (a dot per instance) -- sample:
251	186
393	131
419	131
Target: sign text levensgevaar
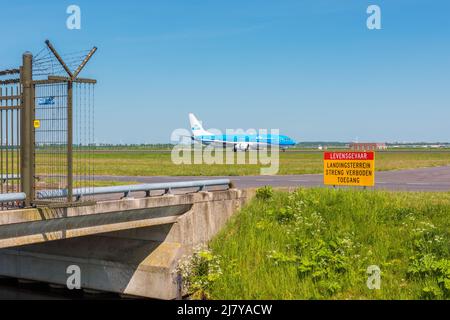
349	168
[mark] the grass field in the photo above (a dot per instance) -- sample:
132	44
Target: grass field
318	244
151	164
146	163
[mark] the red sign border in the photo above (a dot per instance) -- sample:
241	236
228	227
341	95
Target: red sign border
370	155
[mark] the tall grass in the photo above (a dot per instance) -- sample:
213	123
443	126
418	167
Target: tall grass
318	244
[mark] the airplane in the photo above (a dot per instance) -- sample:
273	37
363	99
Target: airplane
239	142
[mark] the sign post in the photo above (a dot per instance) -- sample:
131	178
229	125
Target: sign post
349	168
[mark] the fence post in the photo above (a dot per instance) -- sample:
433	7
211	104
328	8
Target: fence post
69	141
27	131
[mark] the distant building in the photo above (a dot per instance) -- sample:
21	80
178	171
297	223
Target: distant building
368	146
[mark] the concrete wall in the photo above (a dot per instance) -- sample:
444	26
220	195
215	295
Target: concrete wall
137	257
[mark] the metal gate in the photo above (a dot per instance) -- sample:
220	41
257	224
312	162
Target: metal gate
46	136
64	111
10	114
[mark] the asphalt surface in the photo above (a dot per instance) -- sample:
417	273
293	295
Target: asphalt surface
424	179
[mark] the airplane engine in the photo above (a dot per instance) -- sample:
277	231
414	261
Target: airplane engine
245	146
242	147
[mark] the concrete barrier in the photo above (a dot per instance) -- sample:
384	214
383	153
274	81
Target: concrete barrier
131	246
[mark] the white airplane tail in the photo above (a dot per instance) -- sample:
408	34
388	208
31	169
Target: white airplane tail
196	127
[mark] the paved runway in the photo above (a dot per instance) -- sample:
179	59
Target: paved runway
426	179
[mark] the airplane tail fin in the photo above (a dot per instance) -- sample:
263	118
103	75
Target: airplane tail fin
196	126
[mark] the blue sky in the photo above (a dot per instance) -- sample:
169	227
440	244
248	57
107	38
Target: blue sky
310	68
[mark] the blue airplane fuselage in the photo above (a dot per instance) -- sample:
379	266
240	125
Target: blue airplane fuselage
269	139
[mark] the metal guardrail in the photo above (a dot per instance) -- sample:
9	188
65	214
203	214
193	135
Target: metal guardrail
9	197
167	187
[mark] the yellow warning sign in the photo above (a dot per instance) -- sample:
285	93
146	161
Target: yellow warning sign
37	123
349	168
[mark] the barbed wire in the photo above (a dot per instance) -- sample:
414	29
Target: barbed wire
45	63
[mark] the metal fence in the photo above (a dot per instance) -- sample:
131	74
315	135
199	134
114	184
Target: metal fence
10	114
46	127
83	137
50	151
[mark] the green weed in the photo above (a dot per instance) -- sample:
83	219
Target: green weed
318	243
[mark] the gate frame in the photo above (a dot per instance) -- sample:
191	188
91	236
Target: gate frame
28	131
26	106
72	77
